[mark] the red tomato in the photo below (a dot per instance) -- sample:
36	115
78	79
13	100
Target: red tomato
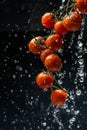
44	54
35	47
73	21
81	6
58	97
54	42
60	28
47	20
44	80
53	62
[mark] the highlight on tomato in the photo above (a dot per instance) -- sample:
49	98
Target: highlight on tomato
54	42
58	97
48	20
81	6
36	45
44	80
53	62
45	53
60	28
73	21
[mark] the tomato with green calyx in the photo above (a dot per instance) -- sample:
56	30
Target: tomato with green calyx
36	45
73	21
47	20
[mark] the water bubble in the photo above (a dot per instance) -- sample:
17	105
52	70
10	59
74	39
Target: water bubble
60	50
76	112
78	126
81	74
85	50
78	92
81	61
81	80
29	20
14	76
79	56
60	81
60	127
72	120
75	81
65	61
63	1
44	124
29	75
71	97
80	44
65	106
48	128
68	110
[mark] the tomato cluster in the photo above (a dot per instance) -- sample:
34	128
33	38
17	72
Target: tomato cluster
46	47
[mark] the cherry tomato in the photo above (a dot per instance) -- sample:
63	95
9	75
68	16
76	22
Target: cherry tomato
53	62
35	47
54	42
73	21
44	80
58	97
81	6
45	53
47	20
60	28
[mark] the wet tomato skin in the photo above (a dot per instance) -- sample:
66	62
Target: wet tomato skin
58	97
44	80
81	6
73	21
35	47
60	28
47	20
54	42
45	53
53	62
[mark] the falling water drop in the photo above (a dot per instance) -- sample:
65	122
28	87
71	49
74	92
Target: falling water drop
81	61
78	92
72	120
44	124
80	44
81	80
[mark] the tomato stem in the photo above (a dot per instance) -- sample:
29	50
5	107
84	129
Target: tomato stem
67	8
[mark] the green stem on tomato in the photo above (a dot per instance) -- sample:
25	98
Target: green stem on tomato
67	6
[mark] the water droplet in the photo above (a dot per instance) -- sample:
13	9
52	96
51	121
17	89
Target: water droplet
60	50
72	120
60	81
78	126
81	80
78	92
71	97
81	61
80	44
14	76
76	112
65	106
68	110
44	124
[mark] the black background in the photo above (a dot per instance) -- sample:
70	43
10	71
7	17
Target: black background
23	106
